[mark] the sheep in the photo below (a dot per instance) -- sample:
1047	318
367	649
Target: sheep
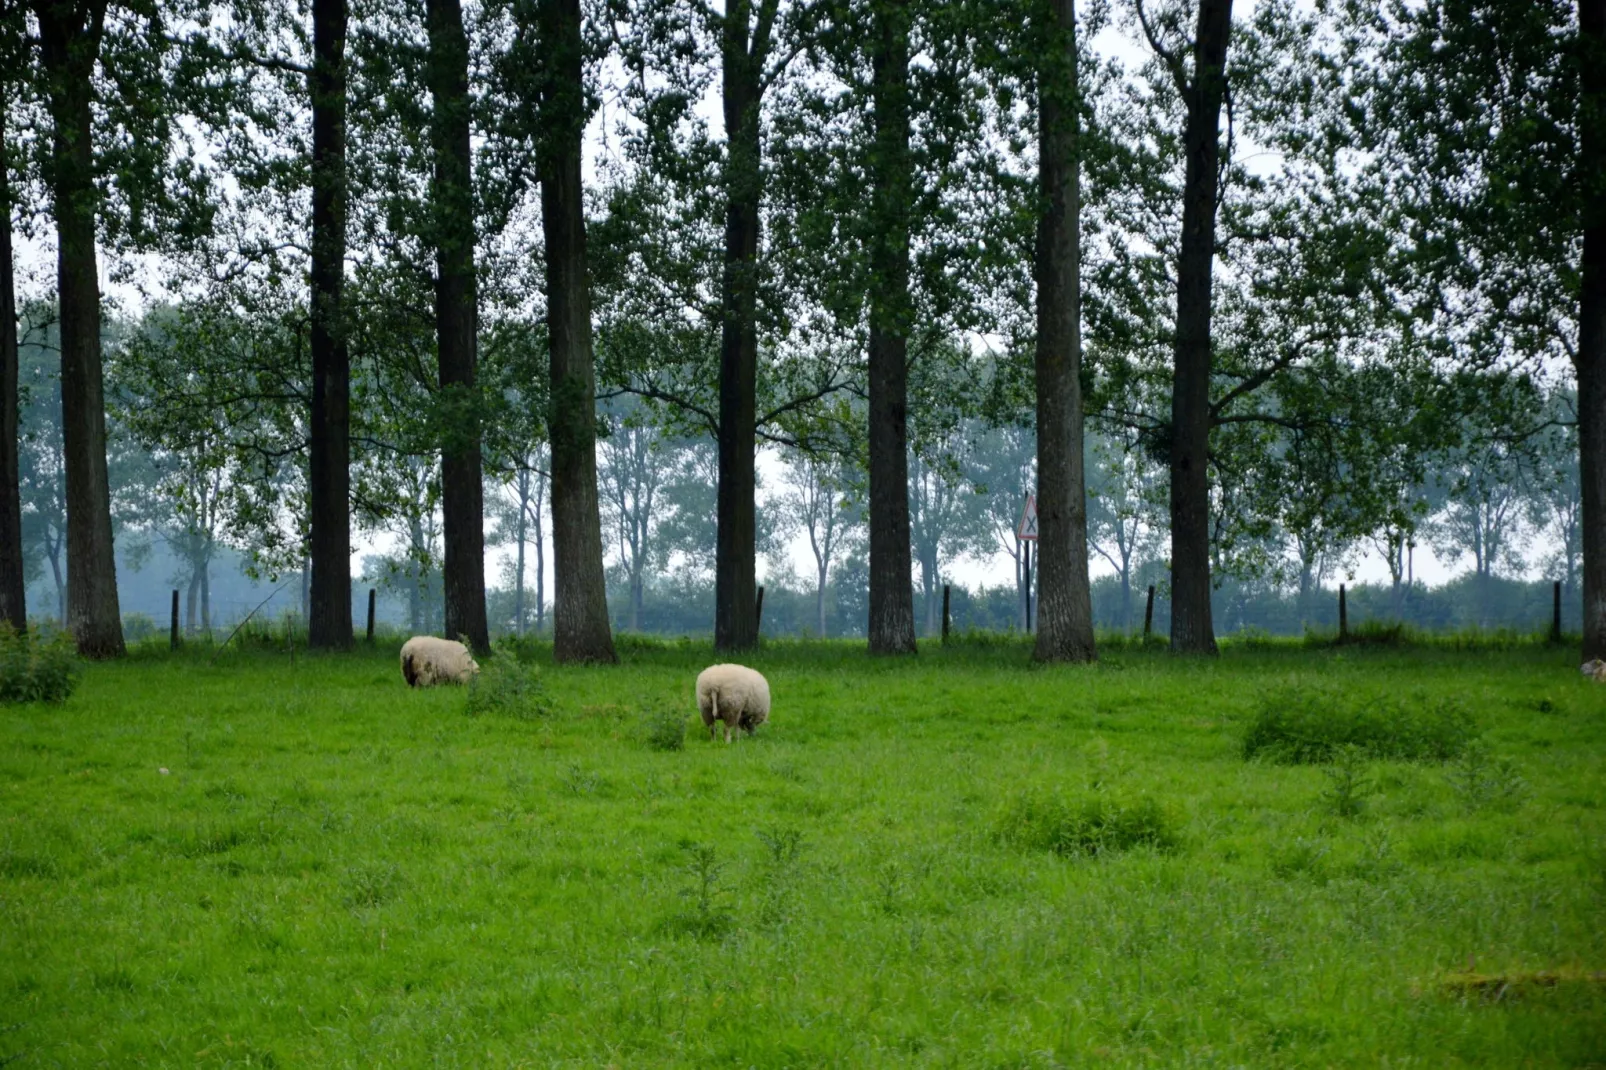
426	660
1594	670
735	695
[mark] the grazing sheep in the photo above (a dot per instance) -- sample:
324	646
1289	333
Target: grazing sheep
734	694
1595	670
426	660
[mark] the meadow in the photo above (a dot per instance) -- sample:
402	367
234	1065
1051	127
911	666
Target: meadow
254	859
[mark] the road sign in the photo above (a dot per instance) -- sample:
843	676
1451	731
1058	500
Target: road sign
1028	519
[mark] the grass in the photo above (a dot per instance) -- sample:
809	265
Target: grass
334	870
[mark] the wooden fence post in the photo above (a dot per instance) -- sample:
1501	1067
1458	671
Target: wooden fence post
1027	549
372	594
1148	615
758	611
1343	615
1555	613
946	590
172	635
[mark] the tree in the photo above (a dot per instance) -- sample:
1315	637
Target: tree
329	438
70	36
456	318
1590	361
13	601
1202	89
1065	614
892	624
635	464
1122	524
815	499
580	612
944	522
1003	469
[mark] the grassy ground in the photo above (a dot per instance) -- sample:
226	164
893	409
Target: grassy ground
265	862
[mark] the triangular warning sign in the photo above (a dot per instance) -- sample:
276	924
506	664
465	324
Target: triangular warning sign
1028	519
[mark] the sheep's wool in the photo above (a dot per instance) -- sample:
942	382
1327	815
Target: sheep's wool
426	660
735	695
1595	670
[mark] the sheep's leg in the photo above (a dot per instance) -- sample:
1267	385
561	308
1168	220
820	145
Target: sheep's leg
713	726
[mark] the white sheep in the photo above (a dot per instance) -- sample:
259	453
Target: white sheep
734	694
1595	670
426	660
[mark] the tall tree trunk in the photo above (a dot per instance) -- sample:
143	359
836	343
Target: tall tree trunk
819	600
1191	628
518	576
61	584
1591	353
892	622
206	593
743	48
70	36
192	594
456	324
13	599
580	614
1065	601
329	466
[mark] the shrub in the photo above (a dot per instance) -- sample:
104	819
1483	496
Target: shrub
1482	778
1348	786
36	667
664	728
1302	724
1093	825
508	687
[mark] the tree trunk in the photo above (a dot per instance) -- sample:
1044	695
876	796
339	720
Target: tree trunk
518	576
329	465
1591	353
206	593
1065	600
1191	628
70	38
540	571
819	600
892	623
13	600
580	614
456	324
743	48
61	584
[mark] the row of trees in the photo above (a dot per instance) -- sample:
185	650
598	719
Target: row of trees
916	215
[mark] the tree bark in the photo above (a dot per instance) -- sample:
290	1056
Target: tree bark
1191	628
70	38
329	465
892	623
744	45
580	613
13	599
1591	352
1065	600
456	326
520	529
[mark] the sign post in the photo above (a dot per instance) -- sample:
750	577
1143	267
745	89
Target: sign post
1026	532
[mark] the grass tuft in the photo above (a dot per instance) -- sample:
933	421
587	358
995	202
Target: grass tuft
1303	723
663	728
36	666
508	687
1093	825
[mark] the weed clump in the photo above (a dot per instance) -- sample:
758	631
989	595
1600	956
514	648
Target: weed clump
508	687
704	916
1348	785
36	667
1090	826
663	728
1302	724
1483	779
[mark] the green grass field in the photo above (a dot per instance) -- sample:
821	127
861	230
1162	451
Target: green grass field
261	861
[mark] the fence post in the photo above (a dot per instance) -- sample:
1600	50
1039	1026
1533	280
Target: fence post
172	634
1555	613
1343	615
1027	549
372	593
946	590
758	611
1148	615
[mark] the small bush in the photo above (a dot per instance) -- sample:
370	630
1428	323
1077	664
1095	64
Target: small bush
1484	779
1301	724
508	687
36	667
663	728
1348	786
1094	825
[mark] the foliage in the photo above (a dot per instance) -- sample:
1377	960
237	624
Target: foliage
1348	784
1482	778
36	666
663	727
508	687
1093	825
1302	723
